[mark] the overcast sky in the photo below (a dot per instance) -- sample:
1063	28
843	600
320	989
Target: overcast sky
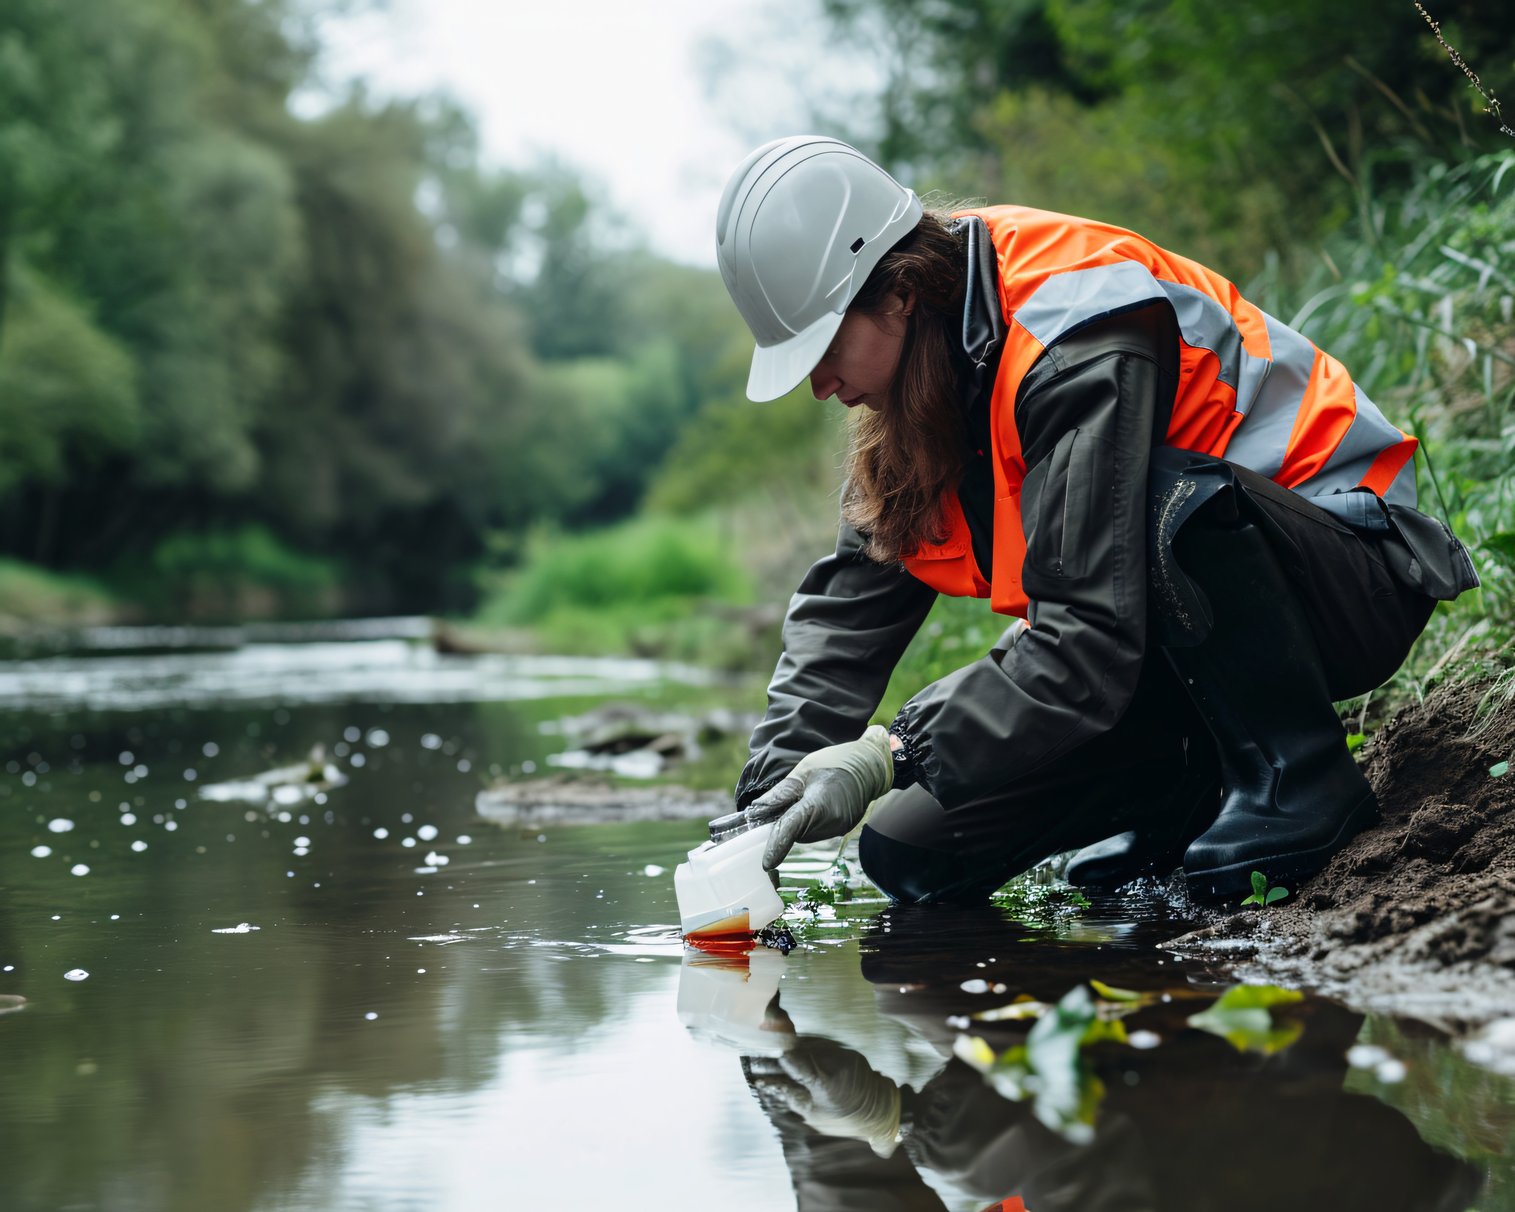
657	99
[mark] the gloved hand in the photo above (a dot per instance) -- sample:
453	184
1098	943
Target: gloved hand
834	1090
826	795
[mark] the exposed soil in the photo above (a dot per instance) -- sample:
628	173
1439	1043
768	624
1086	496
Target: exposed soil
1417	915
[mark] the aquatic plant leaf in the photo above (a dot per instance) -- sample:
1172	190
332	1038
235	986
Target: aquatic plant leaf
1242	1017
1022	1008
1260	997
1499	769
1048	1069
973	1051
1105	1030
1111	994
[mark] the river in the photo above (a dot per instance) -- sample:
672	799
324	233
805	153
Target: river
350	991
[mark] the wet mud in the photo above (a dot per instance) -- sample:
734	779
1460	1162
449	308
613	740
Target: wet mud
1416	916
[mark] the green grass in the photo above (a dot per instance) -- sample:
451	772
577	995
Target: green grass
1417	299
35	596
655	586
231	573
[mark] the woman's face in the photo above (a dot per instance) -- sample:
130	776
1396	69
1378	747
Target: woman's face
860	364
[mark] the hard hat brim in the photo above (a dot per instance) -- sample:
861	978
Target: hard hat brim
779	369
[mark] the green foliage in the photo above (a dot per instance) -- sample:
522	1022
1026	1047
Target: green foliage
1228	132
1242	1016
1262	894
1049	1069
64	385
230	572
342	327
653	559
656	586
1457	1106
1037	903
732	446
1416	302
34	595
957	632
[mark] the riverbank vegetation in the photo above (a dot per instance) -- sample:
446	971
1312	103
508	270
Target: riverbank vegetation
1369	202
237	304
273	347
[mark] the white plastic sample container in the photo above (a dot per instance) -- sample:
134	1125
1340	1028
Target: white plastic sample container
723	890
726	1000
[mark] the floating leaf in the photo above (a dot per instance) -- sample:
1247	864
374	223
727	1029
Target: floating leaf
1048	1069
1106	1031
1052	1050
1242	1017
1111	994
1499	769
1019	1010
973	1051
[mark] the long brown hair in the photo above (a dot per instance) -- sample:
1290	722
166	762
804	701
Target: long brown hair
906	456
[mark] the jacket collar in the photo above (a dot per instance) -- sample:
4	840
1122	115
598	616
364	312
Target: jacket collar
983	318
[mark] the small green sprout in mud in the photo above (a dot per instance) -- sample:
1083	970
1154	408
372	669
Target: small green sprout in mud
1262	894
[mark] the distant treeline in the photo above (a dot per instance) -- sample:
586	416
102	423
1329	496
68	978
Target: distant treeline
341	359
335	349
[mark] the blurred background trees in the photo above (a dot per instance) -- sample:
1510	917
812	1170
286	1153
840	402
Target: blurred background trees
344	361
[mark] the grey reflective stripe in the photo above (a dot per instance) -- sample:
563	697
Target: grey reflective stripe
1262	440
1369	435
1205	324
1269	391
1401	490
1070	300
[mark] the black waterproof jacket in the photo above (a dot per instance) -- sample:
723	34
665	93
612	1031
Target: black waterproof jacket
1089	413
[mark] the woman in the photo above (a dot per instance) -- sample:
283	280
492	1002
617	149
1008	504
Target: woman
1207	529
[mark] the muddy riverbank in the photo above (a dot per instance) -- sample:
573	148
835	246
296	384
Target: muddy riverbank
1417	916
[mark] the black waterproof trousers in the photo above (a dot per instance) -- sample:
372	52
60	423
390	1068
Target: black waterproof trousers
1364	619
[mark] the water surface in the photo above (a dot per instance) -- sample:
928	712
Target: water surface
369	998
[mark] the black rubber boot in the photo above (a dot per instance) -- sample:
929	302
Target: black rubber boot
1157	845
1293	795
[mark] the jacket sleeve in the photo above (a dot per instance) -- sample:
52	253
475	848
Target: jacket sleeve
845	630
1088	414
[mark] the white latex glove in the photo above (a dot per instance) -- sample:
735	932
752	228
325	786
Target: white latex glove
834	1090
827	794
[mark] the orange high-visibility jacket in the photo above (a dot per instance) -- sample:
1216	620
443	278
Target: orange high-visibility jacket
1250	389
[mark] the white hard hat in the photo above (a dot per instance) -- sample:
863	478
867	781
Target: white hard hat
801	225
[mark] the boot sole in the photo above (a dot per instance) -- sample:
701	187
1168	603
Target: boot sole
1290	869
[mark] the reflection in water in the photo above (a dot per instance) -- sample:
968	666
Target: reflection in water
367	997
1194	1123
205	1064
